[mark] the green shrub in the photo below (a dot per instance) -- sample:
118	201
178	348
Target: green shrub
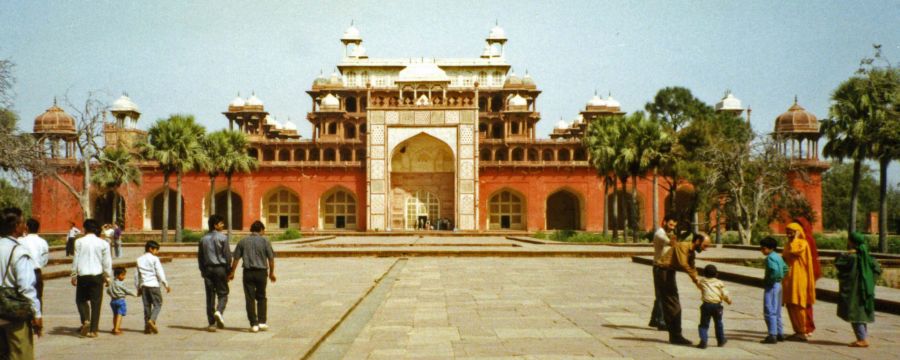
190	236
540	235
289	234
573	236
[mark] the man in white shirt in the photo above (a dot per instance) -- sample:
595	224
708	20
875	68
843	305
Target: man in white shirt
70	239
17	337
663	239
91	269
40	254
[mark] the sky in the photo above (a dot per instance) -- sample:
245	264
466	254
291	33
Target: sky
194	57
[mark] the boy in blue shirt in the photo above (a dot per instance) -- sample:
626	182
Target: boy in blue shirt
775	271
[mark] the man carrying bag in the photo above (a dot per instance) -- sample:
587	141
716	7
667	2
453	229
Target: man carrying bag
20	309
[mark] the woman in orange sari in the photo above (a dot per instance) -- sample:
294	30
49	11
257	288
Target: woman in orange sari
800	283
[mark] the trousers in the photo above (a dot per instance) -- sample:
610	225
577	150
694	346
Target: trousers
713	311
656	315
800	318
772	309
17	341
152	298
255	281
671	305
215	281
88	298
861	331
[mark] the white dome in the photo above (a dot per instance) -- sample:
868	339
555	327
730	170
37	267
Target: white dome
124	103
562	124
422	72
729	102
254	101
330	101
289	125
237	102
352	33
596	101
613	103
497	33
518	101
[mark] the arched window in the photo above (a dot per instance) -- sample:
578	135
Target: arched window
422	207
498	78
361	155
350	104
299	155
332	128
350	79
506	210
563	155
329	155
533	155
346	154
580	155
482	79
485	154
282	210
268	155
548	155
339	211
349	131
284	155
500	154
365	78
314	154
253	153
518	154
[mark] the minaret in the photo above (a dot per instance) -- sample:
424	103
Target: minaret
123	132
495	40
352	41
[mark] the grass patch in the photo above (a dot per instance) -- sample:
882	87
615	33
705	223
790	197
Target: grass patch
577	237
289	234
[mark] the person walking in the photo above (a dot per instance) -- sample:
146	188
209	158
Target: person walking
213	258
117	240
663	240
91	269
70	239
799	285
857	271
17	337
679	257
258	256
40	254
147	279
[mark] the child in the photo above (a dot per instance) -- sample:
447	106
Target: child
117	292
147	280
714	293
856	278
776	268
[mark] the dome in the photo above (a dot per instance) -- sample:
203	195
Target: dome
562	124
254	101
613	103
320	80
528	81
289	125
237	102
796	120
351	34
335	79
518	101
512	80
330	101
596	101
497	33
124	103
418	72
54	120
729	103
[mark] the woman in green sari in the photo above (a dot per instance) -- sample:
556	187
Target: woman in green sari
856	275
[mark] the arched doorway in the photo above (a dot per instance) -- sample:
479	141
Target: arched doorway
422	177
237	208
281	209
338	211
563	211
506	211
109	208
157	210
422	208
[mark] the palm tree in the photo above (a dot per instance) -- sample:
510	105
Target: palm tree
236	160
846	131
653	144
883	87
175	144
116	168
214	147
601	142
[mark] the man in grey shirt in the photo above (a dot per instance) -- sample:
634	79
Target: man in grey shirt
213	257
258	256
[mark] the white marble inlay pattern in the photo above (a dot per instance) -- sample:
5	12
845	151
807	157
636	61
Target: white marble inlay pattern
466	134
391	117
377	169
466	169
377	134
377	203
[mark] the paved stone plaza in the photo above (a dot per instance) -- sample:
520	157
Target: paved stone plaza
441	307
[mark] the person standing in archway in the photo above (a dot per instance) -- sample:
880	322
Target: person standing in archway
213	257
663	240
799	285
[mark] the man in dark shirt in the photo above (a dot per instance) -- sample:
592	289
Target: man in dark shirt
258	256
213	257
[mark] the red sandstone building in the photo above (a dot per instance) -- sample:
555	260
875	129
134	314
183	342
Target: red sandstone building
396	143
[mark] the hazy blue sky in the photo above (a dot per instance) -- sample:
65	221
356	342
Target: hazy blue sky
193	57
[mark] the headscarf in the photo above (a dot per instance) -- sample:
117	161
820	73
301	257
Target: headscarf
864	263
814	250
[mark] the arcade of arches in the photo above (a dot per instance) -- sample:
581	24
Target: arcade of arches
422	174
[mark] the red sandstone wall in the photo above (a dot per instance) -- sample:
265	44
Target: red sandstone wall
54	206
811	188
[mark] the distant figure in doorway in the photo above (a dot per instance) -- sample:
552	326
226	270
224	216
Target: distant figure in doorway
258	256
91	268
70	239
857	271
663	240
679	257
213	258
799	285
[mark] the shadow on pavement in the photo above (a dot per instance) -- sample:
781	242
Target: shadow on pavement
65	330
203	328
642	339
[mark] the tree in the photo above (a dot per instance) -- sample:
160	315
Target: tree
14	196
601	140
116	168
18	153
653	144
214	145
175	144
236	161
836	188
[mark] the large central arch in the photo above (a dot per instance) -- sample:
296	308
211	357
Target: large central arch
422	175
